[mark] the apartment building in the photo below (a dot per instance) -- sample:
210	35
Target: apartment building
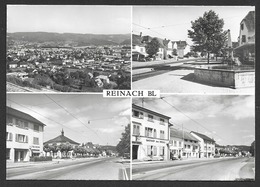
183	144
150	134
24	136
206	145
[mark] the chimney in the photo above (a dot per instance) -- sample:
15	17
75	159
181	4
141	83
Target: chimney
62	132
141	34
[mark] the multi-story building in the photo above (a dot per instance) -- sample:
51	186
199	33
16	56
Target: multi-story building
206	145
150	134
24	136
183	144
182	48
246	39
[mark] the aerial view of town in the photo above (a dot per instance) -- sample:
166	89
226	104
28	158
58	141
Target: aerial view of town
42	59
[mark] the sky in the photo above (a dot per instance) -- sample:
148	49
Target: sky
229	119
69	19
108	117
173	22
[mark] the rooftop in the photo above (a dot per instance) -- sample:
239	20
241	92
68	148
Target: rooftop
22	115
204	137
61	139
149	111
182	134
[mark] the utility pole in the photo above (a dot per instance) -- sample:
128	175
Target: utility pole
142	102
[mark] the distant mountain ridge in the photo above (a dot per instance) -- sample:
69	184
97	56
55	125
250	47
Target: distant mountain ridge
80	39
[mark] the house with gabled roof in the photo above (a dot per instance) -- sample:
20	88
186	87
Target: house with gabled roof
206	145
182	48
183	144
246	39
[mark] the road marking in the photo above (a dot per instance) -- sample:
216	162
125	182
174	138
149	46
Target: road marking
125	174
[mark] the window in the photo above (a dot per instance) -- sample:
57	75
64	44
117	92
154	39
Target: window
185	146
9	136
162	121
242	26
161	134
150	118
161	151
154	150
148	132
154	133
149	150
179	144
243	38
138	114
136	129
21	138
36	127
21	124
175	143
35	141
188	146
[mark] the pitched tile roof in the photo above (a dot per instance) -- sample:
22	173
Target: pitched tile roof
182	134
204	137
22	115
250	21
61	139
149	111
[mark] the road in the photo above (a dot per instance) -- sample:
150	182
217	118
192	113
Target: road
151	70
210	169
80	169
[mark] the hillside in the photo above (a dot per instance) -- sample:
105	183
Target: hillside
80	39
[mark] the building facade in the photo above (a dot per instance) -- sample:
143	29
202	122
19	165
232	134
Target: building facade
183	144
246	39
150	134
206	145
24	136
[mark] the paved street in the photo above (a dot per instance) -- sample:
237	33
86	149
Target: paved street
79	169
205	169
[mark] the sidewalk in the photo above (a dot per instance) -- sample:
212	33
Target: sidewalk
54	161
138	162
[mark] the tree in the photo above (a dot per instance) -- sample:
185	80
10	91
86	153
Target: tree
152	47
207	33
47	148
65	148
54	148
124	144
174	52
252	148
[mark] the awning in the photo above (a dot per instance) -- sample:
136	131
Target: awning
35	150
136	143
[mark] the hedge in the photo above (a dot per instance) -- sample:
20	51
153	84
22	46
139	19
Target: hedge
40	158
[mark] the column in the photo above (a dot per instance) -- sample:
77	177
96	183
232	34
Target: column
12	154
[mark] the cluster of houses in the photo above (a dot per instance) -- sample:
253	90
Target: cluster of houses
24	139
167	49
155	138
25	62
